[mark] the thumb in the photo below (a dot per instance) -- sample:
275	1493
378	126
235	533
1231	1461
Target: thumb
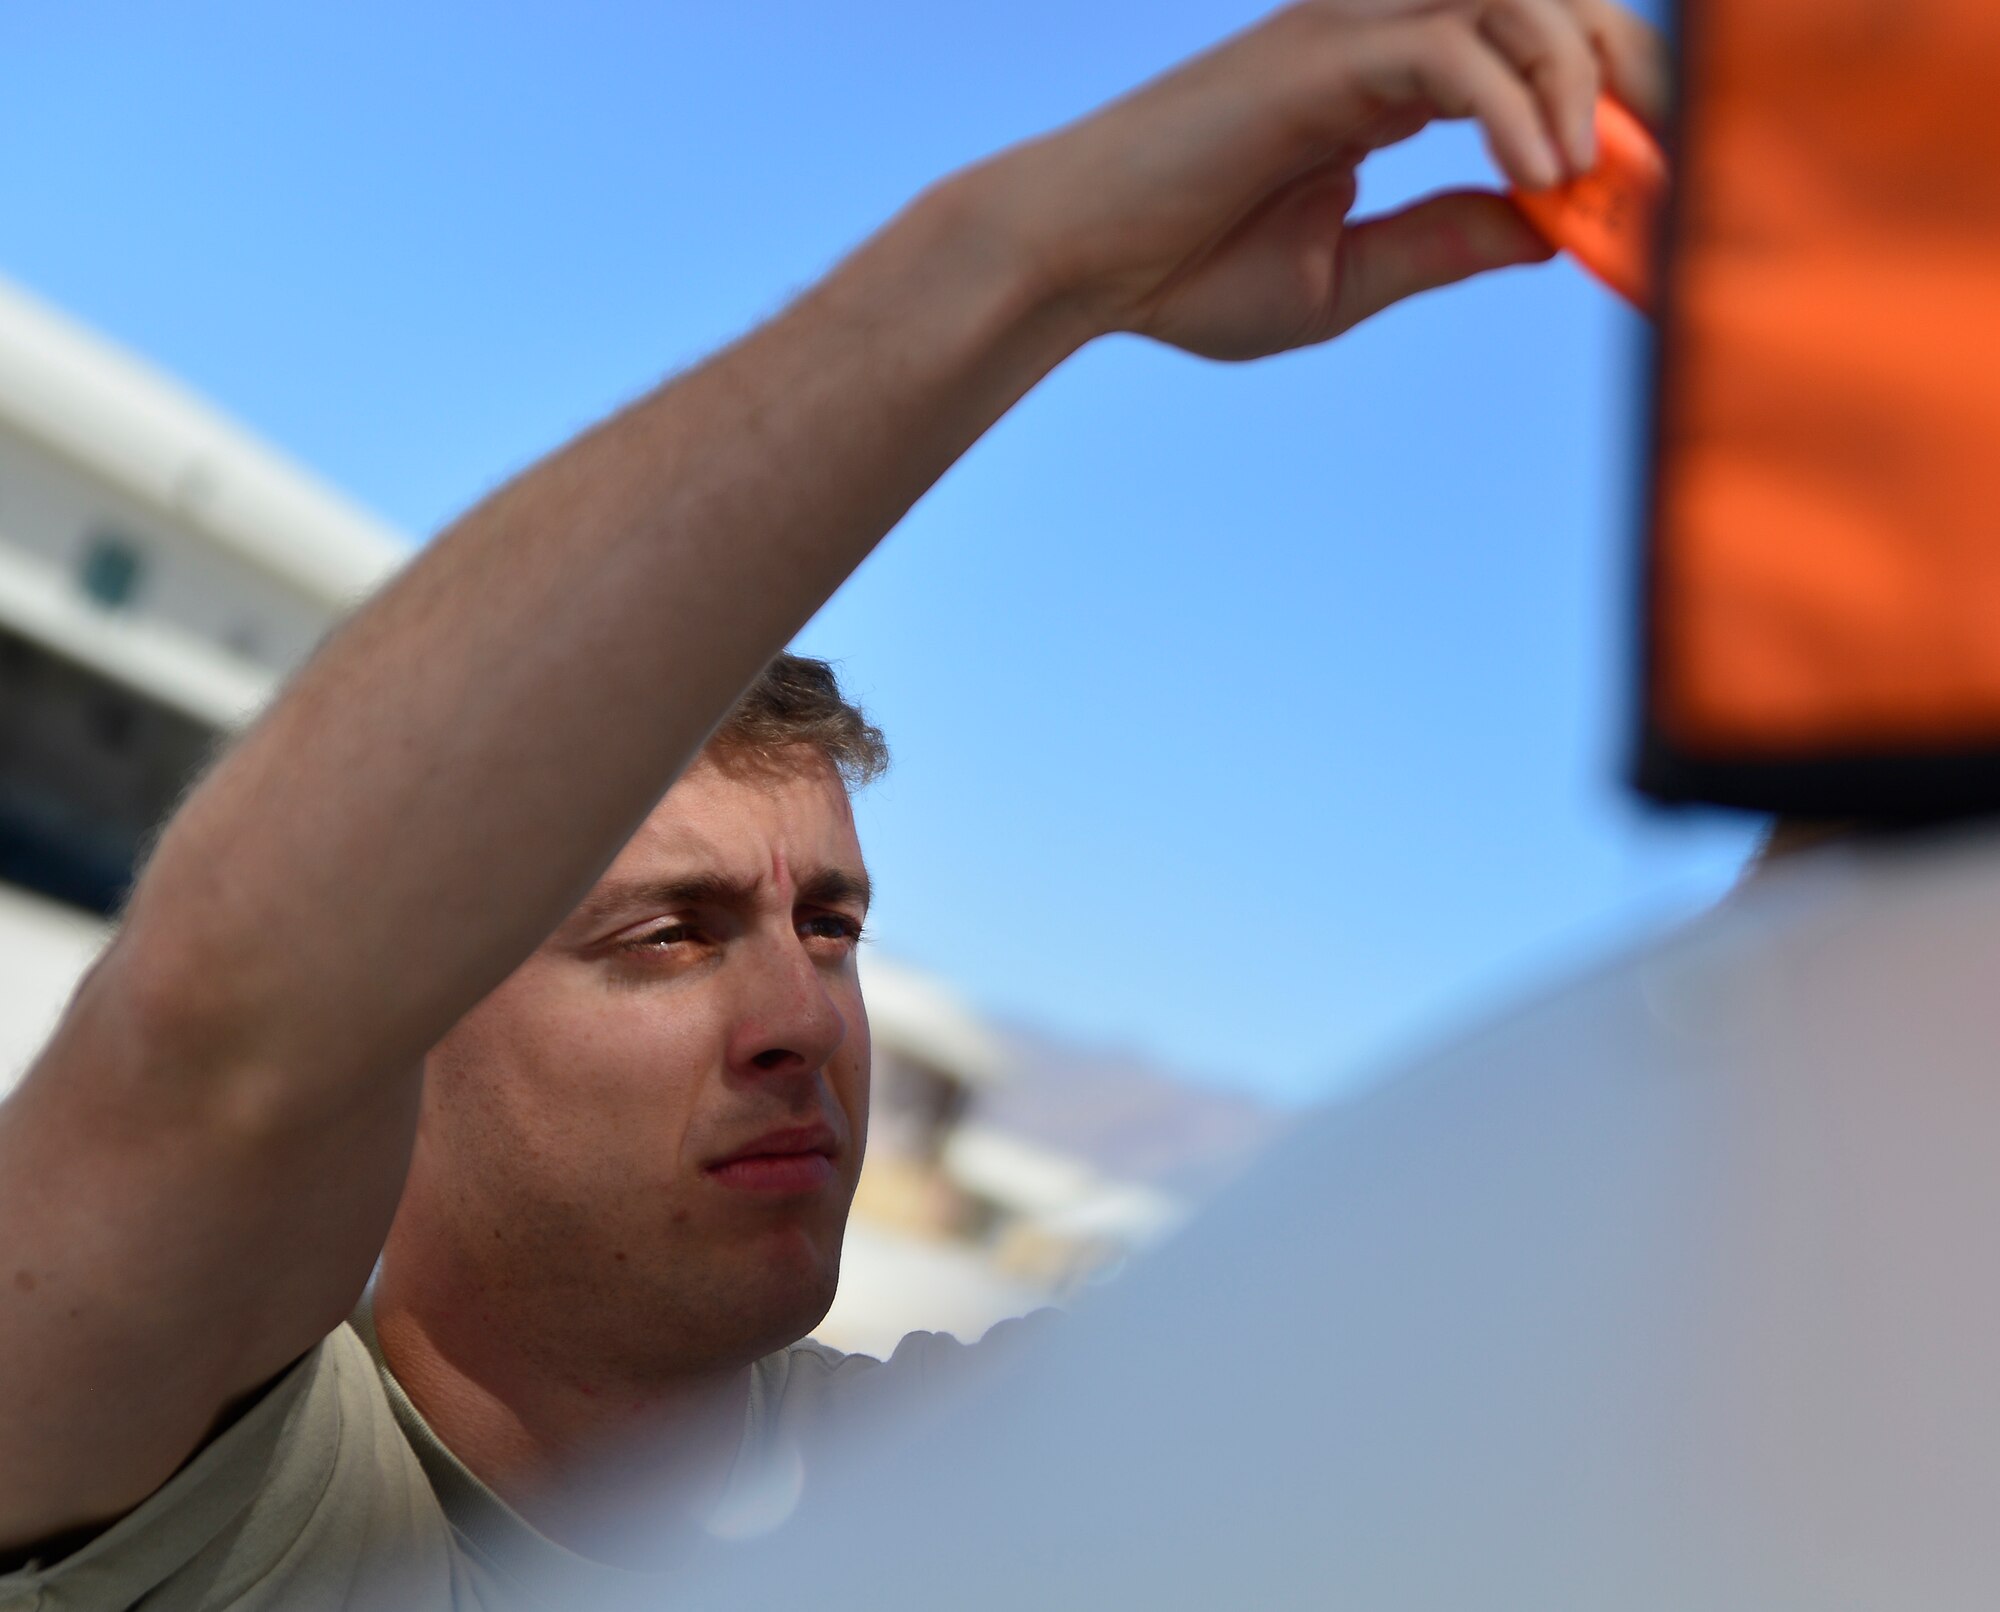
1435	242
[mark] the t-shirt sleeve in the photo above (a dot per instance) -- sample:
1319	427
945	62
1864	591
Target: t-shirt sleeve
311	1496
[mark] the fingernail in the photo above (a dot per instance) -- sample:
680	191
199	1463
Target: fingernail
1548	165
1584	144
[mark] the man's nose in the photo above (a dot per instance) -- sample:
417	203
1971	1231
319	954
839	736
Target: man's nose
786	1019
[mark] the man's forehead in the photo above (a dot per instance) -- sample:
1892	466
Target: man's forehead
794	828
801	809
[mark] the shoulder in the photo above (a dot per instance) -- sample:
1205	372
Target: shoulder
305	1488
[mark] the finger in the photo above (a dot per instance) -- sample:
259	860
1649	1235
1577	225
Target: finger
1435	242
1637	63
1547	45
1444	61
1392	128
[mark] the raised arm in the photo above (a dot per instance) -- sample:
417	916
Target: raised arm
198	1173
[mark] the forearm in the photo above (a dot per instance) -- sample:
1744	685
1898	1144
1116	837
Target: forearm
448	775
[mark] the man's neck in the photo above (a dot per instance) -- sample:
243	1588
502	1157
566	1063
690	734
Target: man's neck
586	1454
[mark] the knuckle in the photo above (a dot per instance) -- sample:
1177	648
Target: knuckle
1544	42
1445	40
1569	60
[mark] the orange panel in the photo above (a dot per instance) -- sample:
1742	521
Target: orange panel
1825	583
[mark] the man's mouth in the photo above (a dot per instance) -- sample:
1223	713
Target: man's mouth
796	1160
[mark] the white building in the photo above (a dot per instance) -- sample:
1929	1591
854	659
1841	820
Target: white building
160	571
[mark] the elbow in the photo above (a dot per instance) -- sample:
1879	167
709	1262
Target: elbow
154	1036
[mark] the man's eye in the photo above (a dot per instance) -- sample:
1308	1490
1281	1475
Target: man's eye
831	926
667	935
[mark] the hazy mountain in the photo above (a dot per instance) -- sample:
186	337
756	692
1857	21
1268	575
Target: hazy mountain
1131	1117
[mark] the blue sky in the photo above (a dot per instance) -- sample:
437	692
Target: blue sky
1265	720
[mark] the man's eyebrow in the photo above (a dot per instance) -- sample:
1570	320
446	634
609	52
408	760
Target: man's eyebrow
822	887
836	887
611	901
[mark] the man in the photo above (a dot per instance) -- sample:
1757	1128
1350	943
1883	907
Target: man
438	932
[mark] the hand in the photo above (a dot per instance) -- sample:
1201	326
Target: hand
1209	208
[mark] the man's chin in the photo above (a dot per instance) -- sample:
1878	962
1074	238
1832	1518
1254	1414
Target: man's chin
787	1281
773	1321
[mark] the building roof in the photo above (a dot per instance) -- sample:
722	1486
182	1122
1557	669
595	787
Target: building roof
123	423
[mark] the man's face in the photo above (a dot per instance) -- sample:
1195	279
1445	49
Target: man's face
655	1123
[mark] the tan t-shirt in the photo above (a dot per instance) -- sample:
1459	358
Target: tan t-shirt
331	1492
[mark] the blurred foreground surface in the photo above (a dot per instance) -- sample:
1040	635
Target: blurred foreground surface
1670	1289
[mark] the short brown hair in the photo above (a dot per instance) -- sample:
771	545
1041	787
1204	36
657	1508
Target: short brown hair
796	700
